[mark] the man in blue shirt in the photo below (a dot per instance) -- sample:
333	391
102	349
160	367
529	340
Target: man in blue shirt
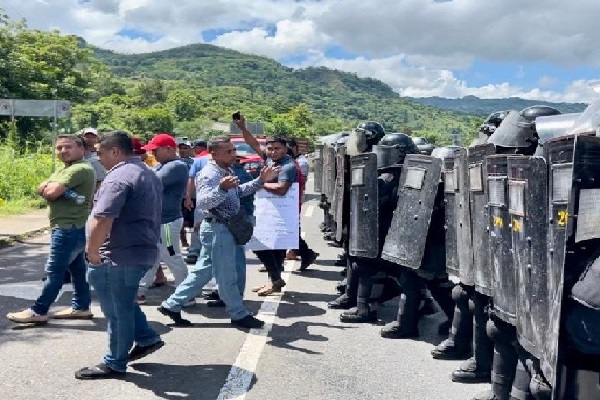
121	248
218	197
173	174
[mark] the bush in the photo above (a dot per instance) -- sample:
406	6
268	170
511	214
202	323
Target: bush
22	171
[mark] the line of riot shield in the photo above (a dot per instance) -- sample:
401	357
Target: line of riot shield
363	236
318	168
478	203
329	172
407	237
503	277
573	232
464	243
340	203
450	179
528	200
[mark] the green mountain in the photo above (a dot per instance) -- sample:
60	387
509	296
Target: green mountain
473	105
225	80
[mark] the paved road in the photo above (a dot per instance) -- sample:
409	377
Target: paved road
305	353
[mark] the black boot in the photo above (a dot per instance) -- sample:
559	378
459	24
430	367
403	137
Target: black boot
406	324
458	344
344	302
359	315
505	361
468	372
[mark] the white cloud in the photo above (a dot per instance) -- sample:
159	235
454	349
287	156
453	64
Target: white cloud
289	39
414	81
416	46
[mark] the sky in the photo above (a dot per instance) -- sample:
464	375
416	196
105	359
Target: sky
448	48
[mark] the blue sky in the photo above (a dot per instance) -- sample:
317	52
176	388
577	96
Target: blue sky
449	48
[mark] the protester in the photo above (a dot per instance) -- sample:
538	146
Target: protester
276	152
90	139
173	174
190	203
122	247
307	256
200	148
68	193
218	198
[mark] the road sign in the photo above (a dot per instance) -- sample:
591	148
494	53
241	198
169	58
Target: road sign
35	108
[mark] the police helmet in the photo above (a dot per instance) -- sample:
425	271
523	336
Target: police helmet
374	131
531	113
402	145
492	122
515	132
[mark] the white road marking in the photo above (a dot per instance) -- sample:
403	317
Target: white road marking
242	371
309	210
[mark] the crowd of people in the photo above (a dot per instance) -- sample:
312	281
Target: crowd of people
119	209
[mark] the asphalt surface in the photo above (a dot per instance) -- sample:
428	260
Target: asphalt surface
305	353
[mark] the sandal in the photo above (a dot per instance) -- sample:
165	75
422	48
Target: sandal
100	371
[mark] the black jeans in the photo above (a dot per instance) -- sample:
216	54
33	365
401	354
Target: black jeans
273	261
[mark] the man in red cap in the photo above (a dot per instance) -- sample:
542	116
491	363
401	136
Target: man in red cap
173	174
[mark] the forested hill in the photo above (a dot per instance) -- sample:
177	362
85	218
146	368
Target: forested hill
475	106
231	80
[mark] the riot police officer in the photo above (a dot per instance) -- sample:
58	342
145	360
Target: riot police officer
367	268
415	244
516	135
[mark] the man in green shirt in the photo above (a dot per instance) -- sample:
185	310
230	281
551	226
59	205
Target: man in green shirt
68	193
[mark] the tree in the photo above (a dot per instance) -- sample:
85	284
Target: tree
183	104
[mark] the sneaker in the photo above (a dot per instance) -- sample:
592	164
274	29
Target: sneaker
306	262
175	316
70	313
140	300
100	371
27	316
248	322
142	351
272	287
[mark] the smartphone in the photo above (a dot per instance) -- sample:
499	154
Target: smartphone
236	116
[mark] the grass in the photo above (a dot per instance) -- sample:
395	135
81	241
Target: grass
21	171
19	207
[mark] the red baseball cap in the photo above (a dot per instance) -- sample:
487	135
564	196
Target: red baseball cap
138	148
161	140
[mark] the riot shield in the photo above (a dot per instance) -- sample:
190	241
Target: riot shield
478	203
363	235
407	237
573	231
528	199
386	155
329	172
318	168
464	243
504	290
450	179
340	203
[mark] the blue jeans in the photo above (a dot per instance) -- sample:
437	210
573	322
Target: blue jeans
116	287
228	267
66	253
